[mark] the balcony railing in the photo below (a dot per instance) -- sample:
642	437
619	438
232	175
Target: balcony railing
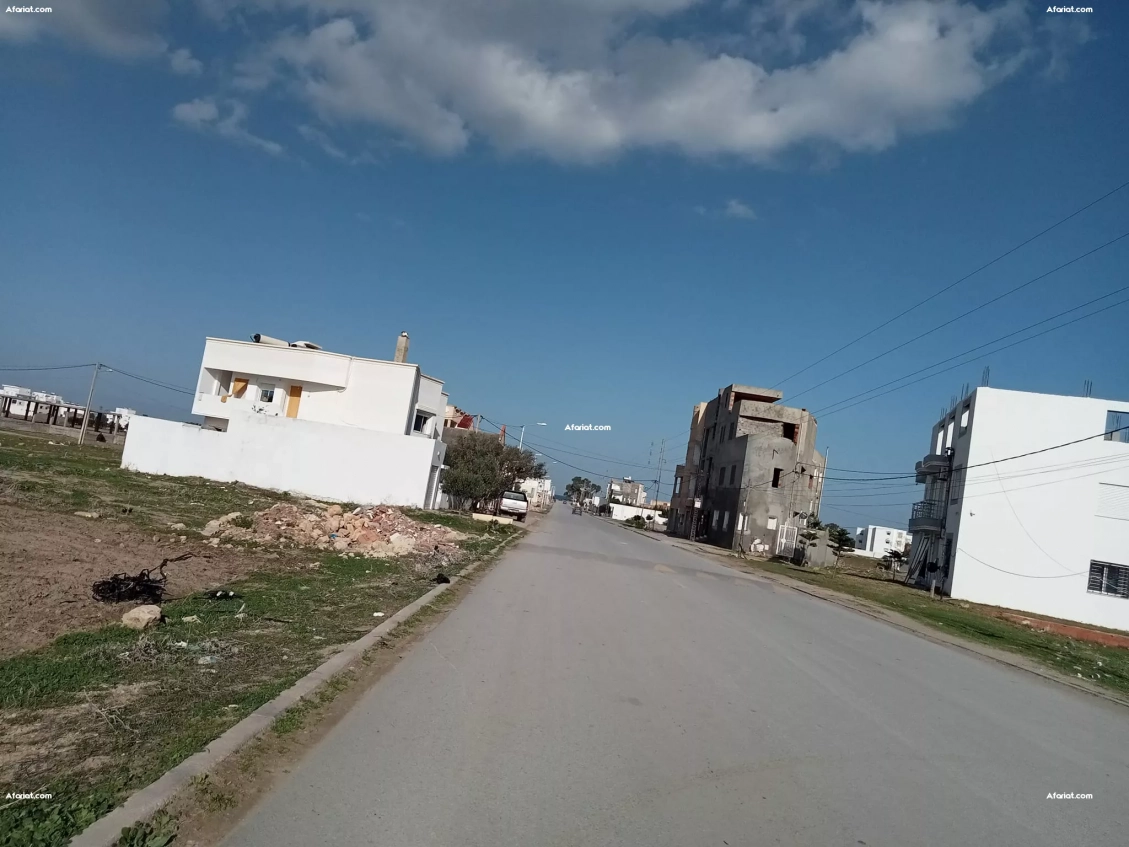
928	509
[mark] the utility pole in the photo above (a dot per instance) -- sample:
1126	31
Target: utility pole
89	400
659	481
521	440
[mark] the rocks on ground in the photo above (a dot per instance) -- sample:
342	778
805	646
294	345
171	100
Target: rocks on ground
142	617
372	530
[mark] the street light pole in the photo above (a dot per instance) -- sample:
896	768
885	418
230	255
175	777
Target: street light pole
521	440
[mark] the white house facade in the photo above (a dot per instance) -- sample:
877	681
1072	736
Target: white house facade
300	419
879	541
1027	506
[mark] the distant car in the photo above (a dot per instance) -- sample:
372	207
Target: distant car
514	503
576	510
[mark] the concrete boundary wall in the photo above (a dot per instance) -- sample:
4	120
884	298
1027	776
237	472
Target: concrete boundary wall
303	457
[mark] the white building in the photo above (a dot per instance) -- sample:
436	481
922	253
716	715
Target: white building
539	492
1027	506
878	541
627	491
301	419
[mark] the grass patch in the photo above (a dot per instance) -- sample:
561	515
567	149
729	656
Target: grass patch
1104	666
141	702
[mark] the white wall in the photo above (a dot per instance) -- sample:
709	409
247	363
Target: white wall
1033	523
302	457
620	512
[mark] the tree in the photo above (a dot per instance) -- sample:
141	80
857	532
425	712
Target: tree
580	489
481	468
840	539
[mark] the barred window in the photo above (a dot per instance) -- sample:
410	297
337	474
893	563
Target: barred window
1109	579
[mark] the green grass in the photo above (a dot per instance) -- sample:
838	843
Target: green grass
141	702
68	478
1105	666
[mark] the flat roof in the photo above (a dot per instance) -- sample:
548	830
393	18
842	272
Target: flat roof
322	353
752	392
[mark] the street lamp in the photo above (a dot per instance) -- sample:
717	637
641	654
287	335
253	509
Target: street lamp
521	440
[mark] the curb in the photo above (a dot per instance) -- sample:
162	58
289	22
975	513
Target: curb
147	801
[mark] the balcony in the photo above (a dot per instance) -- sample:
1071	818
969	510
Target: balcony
927	516
932	465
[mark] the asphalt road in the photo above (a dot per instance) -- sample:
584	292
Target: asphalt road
604	688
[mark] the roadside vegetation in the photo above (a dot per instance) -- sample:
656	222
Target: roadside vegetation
103	710
1107	667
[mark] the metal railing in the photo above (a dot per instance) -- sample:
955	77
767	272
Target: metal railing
928	509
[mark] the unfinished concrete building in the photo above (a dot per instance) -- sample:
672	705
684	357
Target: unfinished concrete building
757	478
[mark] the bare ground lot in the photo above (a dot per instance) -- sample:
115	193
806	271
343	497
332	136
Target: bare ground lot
49	562
91	710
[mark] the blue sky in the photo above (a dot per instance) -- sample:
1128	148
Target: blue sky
584	212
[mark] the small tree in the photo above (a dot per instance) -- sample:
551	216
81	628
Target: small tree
840	539
580	489
481	469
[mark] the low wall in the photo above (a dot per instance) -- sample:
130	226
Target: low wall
303	457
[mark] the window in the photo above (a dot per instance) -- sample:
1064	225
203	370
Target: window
949	434
776	472
725	521
940	442
732	475
964	415
420	422
678	485
266	392
732	430
713	523
789	431
771	523
954	486
1109	579
1117	427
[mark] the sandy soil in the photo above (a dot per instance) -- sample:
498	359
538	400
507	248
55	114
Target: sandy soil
48	563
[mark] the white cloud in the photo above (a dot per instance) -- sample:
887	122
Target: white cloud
120	29
586	80
183	63
319	138
737	209
573	82
204	114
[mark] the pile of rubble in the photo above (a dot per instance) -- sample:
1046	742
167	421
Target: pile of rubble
370	530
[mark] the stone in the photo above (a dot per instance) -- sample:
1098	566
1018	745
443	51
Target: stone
183	538
332	524
229	517
177	526
91	515
334	510
142	617
402	543
340	544
211	528
215	542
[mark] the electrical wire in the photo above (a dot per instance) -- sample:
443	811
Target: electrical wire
959	317
1024	575
954	284
50	367
155	382
830	408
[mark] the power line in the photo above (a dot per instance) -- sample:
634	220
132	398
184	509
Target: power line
952	285
832	406
155	382
997	461
961	316
977	358
1024	575
50	367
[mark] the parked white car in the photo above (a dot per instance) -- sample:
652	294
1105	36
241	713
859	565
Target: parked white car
515	504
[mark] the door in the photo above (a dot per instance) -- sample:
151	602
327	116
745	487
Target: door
294	397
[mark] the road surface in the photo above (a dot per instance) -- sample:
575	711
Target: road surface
599	687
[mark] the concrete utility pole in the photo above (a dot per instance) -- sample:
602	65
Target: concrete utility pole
659	481
89	400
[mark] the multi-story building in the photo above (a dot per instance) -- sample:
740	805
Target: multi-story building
626	491
684	502
758	477
540	493
1027	506
879	541
298	418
